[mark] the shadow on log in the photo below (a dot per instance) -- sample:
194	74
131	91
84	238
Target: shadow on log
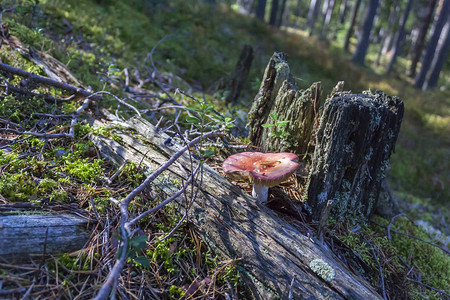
272	251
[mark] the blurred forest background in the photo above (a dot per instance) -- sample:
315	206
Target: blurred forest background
398	46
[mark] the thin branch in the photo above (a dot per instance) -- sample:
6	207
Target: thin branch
110	284
48	81
429	286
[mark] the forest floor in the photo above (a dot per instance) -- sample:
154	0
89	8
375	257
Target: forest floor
193	48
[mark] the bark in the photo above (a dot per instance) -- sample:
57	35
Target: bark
261	9
420	41
440	57
356	136
271	250
352	25
240	74
364	38
399	37
431	47
24	234
391	27
274	12
278	94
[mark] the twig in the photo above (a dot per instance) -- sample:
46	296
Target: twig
291	288
428	286
48	81
379	266
110	283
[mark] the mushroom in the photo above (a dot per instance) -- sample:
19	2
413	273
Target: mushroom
263	169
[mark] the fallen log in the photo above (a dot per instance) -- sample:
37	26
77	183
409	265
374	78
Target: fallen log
276	259
25	234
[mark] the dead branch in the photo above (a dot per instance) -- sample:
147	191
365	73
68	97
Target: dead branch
48	81
125	224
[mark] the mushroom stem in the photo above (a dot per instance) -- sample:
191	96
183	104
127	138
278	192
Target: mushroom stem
261	192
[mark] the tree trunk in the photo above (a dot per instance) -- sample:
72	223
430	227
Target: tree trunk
271	251
439	59
355	138
261	9
420	41
392	22
352	25
27	233
343	12
399	37
240	74
432	43
327	18
274	12
314	8
280	18
364	38
279	95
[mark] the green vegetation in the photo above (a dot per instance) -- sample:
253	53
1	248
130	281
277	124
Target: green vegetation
97	39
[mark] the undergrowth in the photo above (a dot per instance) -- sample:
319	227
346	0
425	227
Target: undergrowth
95	39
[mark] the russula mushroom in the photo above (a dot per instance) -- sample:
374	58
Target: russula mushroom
263	169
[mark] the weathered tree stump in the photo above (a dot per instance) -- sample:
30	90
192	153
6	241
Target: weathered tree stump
240	74
29	233
356	136
278	94
272	251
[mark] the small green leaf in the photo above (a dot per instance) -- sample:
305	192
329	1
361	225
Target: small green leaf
280	123
267	125
190	108
193	120
274	116
208	153
143	261
271	134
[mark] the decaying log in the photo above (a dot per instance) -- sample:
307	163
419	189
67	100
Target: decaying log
356	136
33	233
272	251
278	94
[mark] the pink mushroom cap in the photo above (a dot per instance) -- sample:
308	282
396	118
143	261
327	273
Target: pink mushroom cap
268	169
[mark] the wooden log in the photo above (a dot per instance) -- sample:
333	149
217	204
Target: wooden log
278	94
31	233
272	250
356	136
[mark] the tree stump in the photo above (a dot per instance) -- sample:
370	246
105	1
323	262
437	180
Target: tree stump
278	94
356	136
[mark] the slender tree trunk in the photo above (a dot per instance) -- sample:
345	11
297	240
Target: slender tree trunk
440	56
261	9
399	37
420	41
352	25
327	17
391	26
364	39
273	13
280	18
297	8
343	12
314	8
432	43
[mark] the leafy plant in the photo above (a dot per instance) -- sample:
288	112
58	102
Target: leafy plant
279	126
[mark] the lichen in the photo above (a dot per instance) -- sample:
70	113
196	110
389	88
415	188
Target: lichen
322	269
